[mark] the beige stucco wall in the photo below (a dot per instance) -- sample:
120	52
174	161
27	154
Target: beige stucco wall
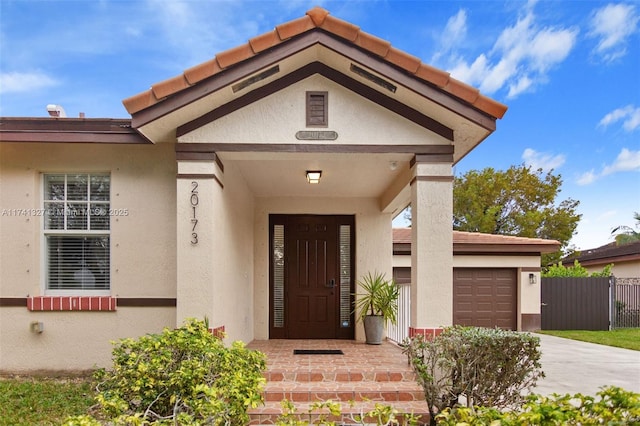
72	341
277	118
373	242
629	269
432	246
215	276
142	250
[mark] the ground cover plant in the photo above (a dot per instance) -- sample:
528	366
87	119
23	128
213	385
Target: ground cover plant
612	406
43	400
475	367
628	338
325	412
185	376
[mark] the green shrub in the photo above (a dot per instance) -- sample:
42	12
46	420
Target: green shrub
183	376
614	406
321	413
475	366
577	270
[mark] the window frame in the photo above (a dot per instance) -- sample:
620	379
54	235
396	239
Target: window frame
45	233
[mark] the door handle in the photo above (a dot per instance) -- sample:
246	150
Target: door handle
332	283
543	304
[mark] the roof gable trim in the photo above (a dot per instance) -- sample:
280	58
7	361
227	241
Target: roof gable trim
336	76
316	18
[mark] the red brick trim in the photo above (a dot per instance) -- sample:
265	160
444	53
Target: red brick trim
218	332
428	333
71	303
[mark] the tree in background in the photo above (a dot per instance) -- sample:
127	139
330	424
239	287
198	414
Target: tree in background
626	234
519	202
577	270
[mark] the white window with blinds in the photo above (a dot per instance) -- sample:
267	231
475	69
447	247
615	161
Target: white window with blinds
77	233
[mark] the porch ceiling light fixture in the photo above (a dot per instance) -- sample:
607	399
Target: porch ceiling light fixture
313	176
532	278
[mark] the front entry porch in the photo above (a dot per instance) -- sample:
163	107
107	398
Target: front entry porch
364	374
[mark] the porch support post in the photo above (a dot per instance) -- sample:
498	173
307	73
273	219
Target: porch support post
432	247
198	181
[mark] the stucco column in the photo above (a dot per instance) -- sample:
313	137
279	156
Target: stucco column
197	185
432	248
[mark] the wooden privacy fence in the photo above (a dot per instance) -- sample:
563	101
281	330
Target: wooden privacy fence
594	303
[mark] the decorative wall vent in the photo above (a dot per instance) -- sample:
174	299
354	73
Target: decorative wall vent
255	78
317	109
373	78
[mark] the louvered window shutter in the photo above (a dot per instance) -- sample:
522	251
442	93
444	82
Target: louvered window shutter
317	109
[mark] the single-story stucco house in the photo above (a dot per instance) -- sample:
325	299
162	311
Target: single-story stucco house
252	189
625	259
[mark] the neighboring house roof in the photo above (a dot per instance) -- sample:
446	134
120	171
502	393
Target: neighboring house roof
603	255
316	18
477	243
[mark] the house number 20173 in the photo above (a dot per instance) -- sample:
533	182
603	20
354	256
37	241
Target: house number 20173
193	200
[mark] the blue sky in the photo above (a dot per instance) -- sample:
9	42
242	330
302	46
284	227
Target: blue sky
568	70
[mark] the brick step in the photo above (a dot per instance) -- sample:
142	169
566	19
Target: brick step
269	413
343	391
355	375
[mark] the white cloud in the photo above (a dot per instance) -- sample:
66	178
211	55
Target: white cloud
540	160
452	35
456	29
612	25
587	178
22	82
520	86
520	59
626	161
549	47
629	115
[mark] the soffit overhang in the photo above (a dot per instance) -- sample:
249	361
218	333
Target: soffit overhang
468	125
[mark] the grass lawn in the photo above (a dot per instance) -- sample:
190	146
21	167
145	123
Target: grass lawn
628	338
43	401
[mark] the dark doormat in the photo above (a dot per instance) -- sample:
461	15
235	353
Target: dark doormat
318	352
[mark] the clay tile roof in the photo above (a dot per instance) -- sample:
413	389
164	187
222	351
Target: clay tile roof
402	235
460	238
315	18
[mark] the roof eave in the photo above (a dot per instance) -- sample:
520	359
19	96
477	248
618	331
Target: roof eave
69	130
509	249
177	99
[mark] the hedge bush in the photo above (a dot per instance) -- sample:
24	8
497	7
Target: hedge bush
475	366
613	406
182	376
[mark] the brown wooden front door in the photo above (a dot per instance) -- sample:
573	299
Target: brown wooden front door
311	277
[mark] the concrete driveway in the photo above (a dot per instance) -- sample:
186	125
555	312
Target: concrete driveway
574	367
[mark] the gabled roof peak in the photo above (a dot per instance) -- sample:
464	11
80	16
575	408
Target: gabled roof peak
316	18
318	15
